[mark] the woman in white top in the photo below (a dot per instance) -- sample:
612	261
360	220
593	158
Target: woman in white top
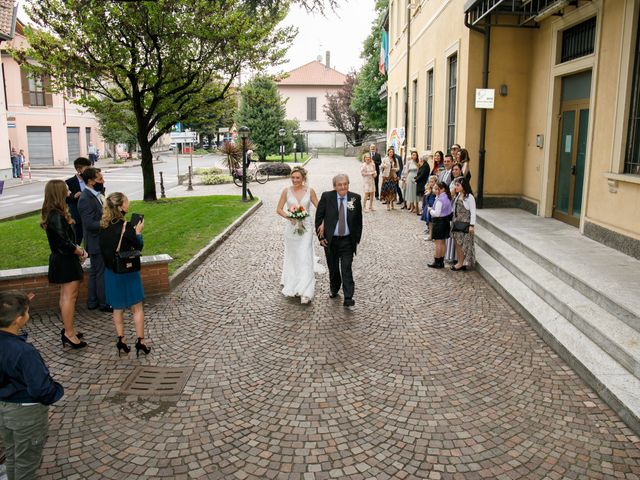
463	226
298	272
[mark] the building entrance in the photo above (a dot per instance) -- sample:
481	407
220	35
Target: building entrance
572	147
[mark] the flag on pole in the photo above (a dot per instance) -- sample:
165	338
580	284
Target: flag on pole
383	61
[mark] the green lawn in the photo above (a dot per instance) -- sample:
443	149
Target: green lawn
179	227
289	158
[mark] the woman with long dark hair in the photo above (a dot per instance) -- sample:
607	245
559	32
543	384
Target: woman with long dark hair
464	219
438	163
65	261
439	215
122	290
390	169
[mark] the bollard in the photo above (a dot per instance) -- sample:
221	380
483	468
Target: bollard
162	195
190	187
250	194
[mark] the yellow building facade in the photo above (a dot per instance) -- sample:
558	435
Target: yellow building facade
563	137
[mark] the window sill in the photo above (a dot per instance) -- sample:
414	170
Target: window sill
614	178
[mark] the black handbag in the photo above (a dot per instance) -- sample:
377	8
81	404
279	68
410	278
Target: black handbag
127	261
460	227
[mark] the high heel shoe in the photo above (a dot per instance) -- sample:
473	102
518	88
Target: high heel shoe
75	346
79	334
141	346
122	346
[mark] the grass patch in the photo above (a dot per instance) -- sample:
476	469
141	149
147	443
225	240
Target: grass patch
179	227
302	157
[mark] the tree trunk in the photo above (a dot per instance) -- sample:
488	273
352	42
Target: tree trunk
148	176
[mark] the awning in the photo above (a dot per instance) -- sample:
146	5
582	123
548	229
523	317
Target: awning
513	12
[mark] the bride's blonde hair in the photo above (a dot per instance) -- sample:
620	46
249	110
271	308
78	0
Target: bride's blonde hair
301	171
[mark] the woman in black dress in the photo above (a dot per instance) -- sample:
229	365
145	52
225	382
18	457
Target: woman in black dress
66	256
122	290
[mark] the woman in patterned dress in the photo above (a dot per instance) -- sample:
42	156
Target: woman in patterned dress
464	210
390	169
368	172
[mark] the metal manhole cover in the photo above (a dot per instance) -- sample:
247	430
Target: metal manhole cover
157	381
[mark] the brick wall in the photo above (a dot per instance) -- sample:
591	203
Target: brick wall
154	272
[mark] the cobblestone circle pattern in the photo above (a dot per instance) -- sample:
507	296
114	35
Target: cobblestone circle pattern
431	375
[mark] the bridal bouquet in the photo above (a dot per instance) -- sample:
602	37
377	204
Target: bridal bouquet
298	214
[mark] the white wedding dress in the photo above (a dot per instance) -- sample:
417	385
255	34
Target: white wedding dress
300	264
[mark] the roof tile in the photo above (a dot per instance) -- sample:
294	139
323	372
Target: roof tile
313	73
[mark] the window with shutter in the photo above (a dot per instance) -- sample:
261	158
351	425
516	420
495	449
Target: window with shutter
24	77
311	108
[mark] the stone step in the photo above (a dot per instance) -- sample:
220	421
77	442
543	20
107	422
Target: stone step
610	333
614	384
605	276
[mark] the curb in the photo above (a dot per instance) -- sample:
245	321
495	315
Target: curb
20	215
185	270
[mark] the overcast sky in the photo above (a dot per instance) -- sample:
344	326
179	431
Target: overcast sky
341	31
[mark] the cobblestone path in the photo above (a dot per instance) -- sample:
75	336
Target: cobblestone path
431	375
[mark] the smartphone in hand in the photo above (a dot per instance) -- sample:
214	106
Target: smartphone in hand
136	218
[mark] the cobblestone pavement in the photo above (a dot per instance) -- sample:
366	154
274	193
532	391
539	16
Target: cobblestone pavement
431	375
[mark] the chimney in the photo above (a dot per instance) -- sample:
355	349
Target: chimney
328	63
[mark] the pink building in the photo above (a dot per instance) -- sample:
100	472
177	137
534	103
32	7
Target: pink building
304	89
49	128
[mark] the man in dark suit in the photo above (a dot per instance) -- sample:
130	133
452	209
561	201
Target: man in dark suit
90	208
339	226
76	186
377	161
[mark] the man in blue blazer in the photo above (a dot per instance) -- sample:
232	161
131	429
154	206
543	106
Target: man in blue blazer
76	186
90	209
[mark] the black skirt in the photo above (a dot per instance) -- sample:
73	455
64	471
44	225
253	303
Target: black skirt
440	228
64	268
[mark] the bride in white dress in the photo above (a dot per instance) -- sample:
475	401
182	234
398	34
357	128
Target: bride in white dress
298	271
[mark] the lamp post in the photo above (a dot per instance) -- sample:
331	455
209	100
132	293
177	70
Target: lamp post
295	146
244	134
282	133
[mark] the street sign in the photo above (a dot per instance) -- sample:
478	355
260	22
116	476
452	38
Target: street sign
485	97
184	137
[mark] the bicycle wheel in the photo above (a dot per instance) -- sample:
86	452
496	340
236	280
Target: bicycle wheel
237	180
262	176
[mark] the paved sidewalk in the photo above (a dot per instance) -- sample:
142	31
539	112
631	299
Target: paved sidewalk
431	375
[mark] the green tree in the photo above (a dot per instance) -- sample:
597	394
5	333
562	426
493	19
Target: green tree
165	59
212	117
117	122
344	118
366	99
262	110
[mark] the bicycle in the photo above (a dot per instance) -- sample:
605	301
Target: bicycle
254	172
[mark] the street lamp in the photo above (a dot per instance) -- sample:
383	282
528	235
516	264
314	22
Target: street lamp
244	134
282	133
295	146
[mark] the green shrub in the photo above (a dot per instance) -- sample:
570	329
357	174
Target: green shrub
215	179
209	171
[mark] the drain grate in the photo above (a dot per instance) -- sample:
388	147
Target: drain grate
157	381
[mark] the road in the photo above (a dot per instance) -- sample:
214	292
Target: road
25	198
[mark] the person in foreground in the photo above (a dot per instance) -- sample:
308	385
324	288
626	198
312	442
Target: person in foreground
122	290
26	390
298	270
65	261
339	228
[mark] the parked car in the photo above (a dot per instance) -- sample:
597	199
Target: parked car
172	146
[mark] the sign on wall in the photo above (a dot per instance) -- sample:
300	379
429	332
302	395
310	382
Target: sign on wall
485	97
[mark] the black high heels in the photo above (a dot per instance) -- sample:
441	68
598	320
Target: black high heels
79	334
120	345
141	346
75	346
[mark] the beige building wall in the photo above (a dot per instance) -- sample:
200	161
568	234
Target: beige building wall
526	61
5	149
296	98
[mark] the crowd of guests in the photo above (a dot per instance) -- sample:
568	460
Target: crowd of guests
19	163
435	187
73	210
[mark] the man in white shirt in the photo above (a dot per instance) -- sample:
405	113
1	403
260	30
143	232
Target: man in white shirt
445	176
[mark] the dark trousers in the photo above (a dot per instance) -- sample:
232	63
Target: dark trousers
24	431
78	229
399	191
376	181
339	255
95	297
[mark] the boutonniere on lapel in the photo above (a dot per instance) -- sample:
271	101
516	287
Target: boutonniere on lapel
351	204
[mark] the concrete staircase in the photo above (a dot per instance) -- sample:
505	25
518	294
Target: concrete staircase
582	298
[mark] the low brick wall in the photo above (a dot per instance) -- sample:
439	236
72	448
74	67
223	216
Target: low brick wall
154	272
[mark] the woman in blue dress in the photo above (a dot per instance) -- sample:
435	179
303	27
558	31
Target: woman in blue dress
122	290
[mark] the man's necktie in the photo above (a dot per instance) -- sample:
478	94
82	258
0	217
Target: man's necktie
342	221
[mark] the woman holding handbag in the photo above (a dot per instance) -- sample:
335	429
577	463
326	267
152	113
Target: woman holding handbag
390	169
464	219
120	243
